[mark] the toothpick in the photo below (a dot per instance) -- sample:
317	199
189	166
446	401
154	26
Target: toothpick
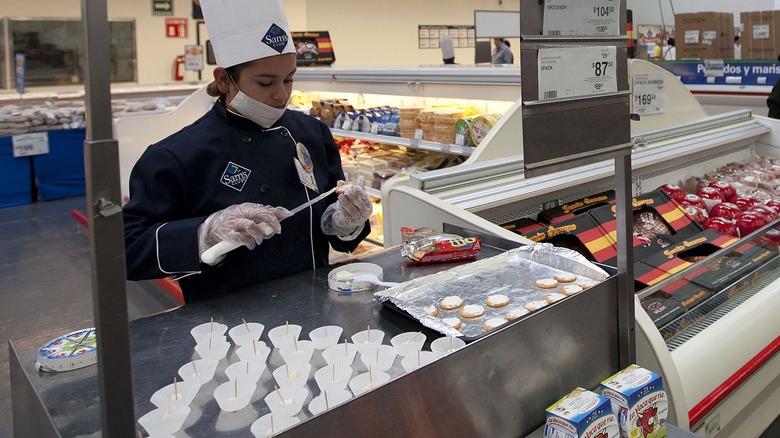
287	327
333	367
195	369
368	333
326	332
211	328
254	345
166	408
418	358
272	424
370	377
209	343
139	434
247	367
175	390
346	351
246	325
280	394
326	399
413	337
295	342
235	388
287	368
377	355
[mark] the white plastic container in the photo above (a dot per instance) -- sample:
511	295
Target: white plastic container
287	401
328	399
292	374
262	427
408	343
333	377
198	371
245	333
235	394
158	422
343	353
325	336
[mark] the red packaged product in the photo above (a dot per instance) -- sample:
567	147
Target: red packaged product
768	212
774	205
675	192
710	196
745	202
697	213
726	210
722	225
426	245
725	189
750	221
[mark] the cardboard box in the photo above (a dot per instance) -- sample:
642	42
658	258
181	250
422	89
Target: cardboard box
704	35
570	209
581	234
639	401
522	225
581	413
662	310
686	294
717	274
655	205
761	37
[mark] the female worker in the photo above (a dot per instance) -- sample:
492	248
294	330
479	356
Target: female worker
235	173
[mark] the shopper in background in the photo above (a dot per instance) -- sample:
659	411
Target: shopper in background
501	54
670	54
657	52
447	49
773	101
234	173
737	47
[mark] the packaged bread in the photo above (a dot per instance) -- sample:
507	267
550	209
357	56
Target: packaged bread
426	245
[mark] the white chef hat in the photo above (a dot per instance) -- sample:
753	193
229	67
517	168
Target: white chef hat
245	30
447	48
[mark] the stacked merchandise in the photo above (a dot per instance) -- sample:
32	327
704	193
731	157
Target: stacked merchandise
15	120
760	39
409	121
444	121
705	35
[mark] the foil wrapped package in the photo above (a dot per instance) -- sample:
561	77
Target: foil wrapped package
513	273
426	245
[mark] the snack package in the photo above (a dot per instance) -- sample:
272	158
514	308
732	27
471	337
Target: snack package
639	402
581	414
426	245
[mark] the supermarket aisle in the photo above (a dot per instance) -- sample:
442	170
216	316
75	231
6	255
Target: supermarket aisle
46	287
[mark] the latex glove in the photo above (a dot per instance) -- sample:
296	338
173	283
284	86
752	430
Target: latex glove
344	216
248	224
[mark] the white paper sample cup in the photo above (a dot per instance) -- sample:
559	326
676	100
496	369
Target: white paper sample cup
256	350
235	394
284	334
380	357
292	374
333	377
178	394
198	371
158	422
247	369
243	334
325	336
343	353
299	351
362	382
286	401
262	428
367	338
319	404
207	329
408	343
446	345
213	348
411	363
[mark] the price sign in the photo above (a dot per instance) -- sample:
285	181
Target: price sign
25	145
374	128
193	57
649	93
580	71
583	17
345	126
460	140
418	134
761	32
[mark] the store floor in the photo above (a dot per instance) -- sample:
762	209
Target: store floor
46	289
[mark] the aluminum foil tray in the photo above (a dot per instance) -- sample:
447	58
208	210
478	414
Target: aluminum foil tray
512	273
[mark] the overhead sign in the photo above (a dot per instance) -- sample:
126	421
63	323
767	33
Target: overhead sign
162	7
21	69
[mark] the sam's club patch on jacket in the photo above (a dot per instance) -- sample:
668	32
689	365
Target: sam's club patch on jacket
235	176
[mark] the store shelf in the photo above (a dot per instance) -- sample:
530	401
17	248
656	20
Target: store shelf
406	142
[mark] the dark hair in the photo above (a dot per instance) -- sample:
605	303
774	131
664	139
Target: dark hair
449	60
670	41
736	38
506	42
234	71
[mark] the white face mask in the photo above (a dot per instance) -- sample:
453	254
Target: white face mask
256	111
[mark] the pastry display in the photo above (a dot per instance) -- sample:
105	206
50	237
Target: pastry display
472	311
492	323
451	302
546	283
565	277
497	300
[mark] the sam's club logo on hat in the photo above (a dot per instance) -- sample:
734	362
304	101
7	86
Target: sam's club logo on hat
235	176
276	38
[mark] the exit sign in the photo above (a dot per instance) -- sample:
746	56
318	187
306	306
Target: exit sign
162	7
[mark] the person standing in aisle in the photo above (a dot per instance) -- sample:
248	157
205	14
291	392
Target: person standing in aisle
501	54
234	173
447	49
657	52
670	54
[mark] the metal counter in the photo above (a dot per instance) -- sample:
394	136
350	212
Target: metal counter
499	385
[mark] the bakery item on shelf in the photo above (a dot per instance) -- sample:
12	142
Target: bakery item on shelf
451	302
565	277
431	310
452	322
497	300
472	311
587	282
546	283
571	289
553	297
535	305
492	323
516	313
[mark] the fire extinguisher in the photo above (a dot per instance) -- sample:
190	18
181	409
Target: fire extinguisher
178	68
